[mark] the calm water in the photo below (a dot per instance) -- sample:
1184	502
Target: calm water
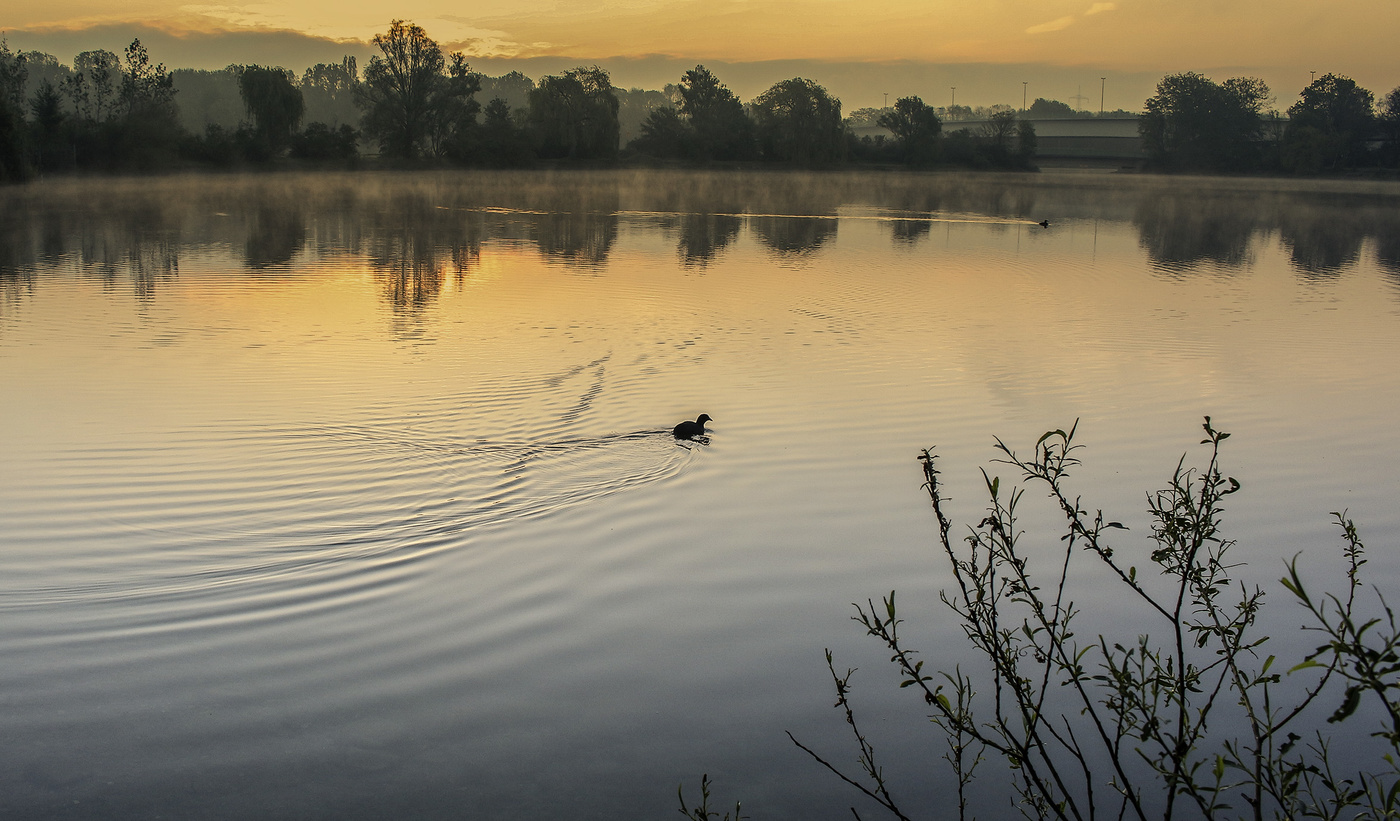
354	497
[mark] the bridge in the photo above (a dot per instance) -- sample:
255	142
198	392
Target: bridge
1111	140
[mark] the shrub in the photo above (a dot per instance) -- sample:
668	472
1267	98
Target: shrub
1194	721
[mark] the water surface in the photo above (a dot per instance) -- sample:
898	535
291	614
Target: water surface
355	497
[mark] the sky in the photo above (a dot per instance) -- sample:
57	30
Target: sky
974	52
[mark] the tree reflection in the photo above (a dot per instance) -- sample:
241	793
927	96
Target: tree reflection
417	230
1181	231
414	243
577	237
1388	252
909	232
275	234
1321	242
793	235
703	236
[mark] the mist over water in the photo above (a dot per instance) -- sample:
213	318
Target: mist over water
355	496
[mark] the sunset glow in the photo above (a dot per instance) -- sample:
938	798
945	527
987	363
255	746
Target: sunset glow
1281	42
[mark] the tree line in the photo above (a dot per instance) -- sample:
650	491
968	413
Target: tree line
414	102
1195	124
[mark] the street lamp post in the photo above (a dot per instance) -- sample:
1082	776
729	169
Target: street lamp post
954	101
887	99
1023	95
1103	83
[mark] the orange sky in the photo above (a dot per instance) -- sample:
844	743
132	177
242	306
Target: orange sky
1280	40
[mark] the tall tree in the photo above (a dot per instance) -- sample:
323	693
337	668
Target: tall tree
274	104
1193	123
574	115
12	79
798	121
1329	125
149	120
722	131
916	127
52	150
453	130
92	88
416	101
398	89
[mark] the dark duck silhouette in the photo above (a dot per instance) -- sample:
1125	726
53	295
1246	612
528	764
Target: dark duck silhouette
1044	223
689	430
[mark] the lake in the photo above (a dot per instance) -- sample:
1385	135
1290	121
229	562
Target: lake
354	496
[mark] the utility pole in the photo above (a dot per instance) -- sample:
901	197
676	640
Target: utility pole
1103	83
954	102
1023	96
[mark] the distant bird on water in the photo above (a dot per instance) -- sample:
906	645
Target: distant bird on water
689	430
1044	223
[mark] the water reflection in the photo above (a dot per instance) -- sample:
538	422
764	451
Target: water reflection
416	229
575	238
703	236
1321	241
910	231
1181	231
274	236
793	235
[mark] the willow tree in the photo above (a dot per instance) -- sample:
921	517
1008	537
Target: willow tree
274	104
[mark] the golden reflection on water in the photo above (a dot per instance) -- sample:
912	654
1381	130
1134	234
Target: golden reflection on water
398	443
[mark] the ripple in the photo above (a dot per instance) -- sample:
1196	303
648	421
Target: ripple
274	512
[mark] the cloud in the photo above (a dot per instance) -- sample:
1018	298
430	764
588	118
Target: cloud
1098	7
1053	25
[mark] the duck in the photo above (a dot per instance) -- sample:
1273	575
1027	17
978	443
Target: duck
1044	223
689	430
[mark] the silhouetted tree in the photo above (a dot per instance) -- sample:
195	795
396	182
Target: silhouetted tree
1390	127
52	149
502	142
92	88
722	131
320	142
1194	123
634	105
997	138
916	127
665	134
514	88
454	128
797	121
1329	125
1026	144
150	126
328	91
1052	110
415	102
12	79
574	115
274	104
